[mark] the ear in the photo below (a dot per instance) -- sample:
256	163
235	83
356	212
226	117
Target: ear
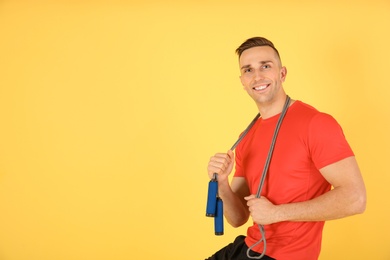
283	73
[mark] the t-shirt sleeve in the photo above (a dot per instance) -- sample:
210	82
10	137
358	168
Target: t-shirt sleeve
327	143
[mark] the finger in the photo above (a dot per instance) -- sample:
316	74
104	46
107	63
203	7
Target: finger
220	161
217	166
250	197
221	158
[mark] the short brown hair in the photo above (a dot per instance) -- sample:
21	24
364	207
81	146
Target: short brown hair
255	42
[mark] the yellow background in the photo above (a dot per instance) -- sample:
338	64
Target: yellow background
110	110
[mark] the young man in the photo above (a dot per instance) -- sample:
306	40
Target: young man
310	156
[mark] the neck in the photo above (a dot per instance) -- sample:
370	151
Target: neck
273	107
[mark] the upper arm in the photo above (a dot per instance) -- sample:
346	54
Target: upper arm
342	173
345	174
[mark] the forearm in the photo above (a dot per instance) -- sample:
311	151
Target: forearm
235	211
335	204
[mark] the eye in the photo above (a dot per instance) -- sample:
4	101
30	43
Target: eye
266	66
247	70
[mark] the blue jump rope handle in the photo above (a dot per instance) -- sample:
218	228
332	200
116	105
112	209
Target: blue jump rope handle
214	207
211	208
218	219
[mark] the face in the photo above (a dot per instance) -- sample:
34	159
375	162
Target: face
262	74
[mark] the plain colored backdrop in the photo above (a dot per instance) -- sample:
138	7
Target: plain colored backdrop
110	110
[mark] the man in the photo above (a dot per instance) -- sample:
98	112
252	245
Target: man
310	156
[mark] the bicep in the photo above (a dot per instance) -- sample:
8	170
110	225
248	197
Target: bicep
349	189
344	173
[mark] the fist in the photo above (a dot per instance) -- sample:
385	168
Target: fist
221	164
262	211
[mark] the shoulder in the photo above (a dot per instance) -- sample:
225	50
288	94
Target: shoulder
305	113
303	109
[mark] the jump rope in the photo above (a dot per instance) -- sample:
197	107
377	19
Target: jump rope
214	207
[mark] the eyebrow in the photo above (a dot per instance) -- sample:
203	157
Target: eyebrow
261	62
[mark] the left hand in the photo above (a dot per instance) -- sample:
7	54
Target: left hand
262	211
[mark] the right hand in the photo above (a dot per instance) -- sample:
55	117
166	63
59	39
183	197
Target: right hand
221	164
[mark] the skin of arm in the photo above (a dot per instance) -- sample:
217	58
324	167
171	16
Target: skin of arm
236	211
348	197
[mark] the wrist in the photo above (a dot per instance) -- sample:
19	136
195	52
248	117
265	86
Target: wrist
223	187
279	213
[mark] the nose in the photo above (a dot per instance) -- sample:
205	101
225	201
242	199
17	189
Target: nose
259	75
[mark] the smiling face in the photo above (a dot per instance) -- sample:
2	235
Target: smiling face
262	75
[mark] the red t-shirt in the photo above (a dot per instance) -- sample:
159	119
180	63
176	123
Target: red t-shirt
307	141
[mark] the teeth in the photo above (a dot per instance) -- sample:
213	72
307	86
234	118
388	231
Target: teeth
260	87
